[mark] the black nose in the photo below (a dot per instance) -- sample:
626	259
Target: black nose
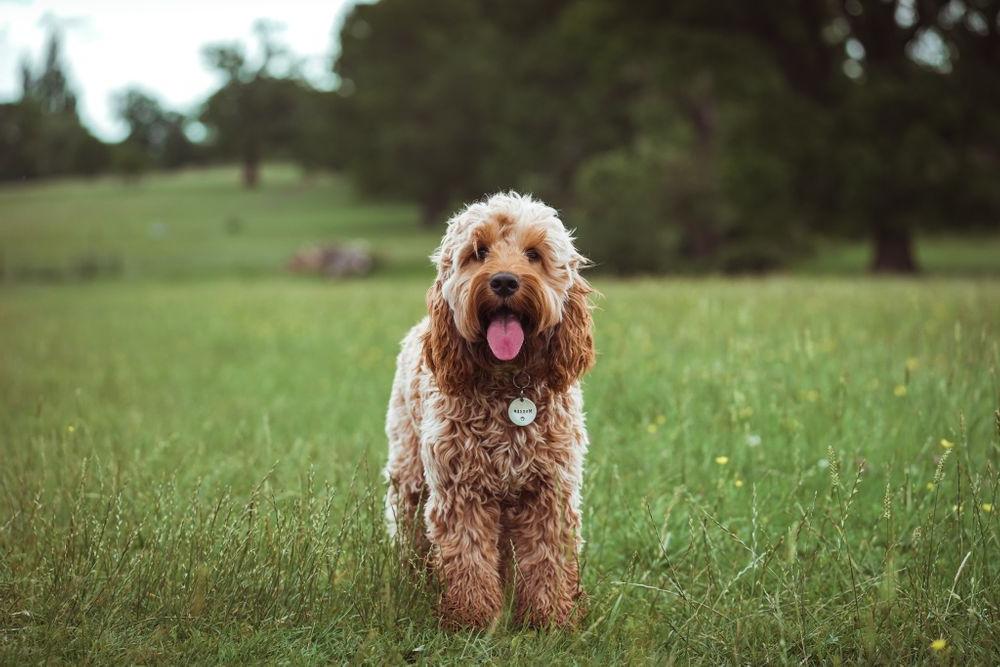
503	284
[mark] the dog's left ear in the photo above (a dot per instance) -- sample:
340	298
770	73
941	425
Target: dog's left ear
571	349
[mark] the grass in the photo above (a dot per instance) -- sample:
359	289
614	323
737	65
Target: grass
189	470
194	224
975	255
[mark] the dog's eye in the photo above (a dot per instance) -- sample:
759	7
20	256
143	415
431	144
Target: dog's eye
532	254
481	254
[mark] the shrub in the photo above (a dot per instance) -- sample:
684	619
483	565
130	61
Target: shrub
648	210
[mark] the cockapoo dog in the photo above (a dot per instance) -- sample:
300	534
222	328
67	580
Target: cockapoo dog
485	423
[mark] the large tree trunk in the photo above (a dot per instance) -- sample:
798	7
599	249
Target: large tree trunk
251	172
893	251
700	238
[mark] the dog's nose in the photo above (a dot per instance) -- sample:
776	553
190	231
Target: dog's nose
503	284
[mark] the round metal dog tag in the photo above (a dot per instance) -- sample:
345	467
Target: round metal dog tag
522	411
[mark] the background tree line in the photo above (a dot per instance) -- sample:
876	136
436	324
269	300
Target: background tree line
677	136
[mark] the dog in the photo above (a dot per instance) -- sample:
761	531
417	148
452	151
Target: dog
485	422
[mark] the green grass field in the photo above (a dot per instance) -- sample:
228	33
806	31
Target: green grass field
782	470
194	225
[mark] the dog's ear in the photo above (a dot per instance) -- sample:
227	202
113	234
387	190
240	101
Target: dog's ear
571	348
445	351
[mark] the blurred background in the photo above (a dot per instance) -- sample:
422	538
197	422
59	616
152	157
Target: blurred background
180	139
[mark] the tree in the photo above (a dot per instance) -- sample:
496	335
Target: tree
156	136
875	118
255	111
41	134
417	81
50	89
907	94
864	117
698	197
451	99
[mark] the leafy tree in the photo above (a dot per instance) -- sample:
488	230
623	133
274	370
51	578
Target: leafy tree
904	100
41	134
156	136
319	133
450	99
20	141
770	121
254	112
50	89
419	82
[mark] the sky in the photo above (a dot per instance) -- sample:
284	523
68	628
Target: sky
109	45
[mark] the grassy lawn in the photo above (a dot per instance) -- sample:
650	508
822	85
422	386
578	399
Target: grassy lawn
195	224
936	255
190	469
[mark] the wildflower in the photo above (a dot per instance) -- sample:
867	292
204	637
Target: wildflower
957	508
651	428
900	390
931	486
722	460
753	440
70	428
812	395
987	507
912	364
661	420
738	483
939	645
947	444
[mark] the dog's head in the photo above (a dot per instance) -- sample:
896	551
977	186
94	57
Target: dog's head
508	293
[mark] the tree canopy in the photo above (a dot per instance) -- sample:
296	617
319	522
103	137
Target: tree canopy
701	132
255	111
687	135
41	134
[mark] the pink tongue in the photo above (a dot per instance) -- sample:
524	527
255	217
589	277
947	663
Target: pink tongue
505	337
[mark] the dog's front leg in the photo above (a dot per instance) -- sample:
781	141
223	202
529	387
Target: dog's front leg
544	532
464	527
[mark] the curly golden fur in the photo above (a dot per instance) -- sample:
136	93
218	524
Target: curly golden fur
488	502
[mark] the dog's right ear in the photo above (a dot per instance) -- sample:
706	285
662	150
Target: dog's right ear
446	353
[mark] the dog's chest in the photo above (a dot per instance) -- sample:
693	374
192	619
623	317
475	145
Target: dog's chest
511	454
483	449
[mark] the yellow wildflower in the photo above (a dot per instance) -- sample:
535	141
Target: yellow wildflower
947	444
661	420
900	390
987	507
722	460
930	486
912	364
738	483
651	428
70	428
939	645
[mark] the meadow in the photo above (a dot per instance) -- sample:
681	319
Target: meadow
802	468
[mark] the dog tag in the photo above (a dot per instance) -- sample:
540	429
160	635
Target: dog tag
522	411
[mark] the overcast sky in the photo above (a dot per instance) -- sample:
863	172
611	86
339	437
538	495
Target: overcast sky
156	44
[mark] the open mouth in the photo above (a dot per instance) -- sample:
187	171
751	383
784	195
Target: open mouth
504	334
